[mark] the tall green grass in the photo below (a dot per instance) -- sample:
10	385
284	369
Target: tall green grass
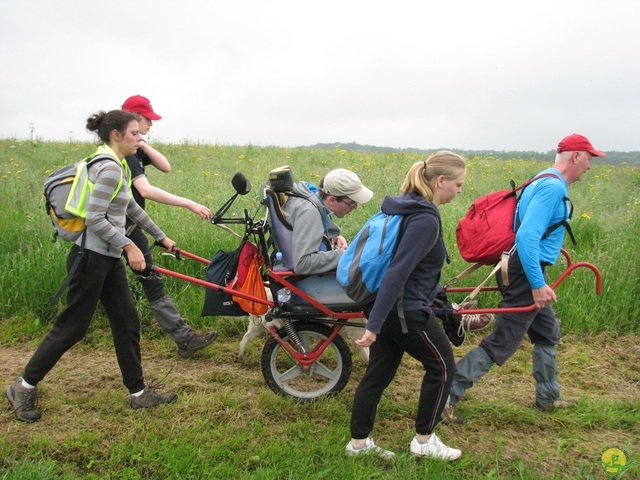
605	220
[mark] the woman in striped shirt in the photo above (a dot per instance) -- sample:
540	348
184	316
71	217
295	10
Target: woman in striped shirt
101	275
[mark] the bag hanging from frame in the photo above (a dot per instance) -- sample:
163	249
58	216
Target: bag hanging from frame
222	271
252	284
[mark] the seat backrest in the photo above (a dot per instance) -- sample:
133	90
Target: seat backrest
281	228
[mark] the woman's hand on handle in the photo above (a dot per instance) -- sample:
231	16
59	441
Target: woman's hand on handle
203	212
135	257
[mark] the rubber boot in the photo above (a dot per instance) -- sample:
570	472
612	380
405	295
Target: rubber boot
545	371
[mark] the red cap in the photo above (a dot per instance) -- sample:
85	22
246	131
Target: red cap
141	105
578	143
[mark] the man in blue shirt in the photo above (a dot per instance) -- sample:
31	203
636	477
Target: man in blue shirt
542	210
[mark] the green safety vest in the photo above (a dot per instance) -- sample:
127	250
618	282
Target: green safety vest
82	187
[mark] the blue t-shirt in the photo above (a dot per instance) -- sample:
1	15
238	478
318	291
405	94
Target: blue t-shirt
543	203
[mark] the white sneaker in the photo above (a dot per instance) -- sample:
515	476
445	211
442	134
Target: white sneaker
434	448
370	448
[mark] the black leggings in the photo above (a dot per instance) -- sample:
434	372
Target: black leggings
98	279
430	346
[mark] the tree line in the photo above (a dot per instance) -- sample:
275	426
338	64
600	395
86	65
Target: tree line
612	158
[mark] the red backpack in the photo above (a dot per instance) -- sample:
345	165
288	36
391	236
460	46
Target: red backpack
487	230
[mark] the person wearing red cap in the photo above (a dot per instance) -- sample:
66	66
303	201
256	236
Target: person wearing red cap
541	220
163	308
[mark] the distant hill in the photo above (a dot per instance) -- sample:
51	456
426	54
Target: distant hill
613	158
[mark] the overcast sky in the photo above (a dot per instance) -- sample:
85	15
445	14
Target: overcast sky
470	74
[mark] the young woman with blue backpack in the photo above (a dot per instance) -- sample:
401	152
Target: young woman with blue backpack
401	319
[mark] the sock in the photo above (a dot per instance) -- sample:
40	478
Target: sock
137	394
358	448
25	384
426	441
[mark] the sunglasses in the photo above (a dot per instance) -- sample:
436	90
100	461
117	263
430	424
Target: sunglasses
350	203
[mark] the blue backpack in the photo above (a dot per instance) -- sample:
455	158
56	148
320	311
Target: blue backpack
363	264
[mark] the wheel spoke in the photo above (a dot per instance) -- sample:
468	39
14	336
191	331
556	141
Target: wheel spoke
318	368
304	338
293	372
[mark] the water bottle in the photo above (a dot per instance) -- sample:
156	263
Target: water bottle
284	295
278	264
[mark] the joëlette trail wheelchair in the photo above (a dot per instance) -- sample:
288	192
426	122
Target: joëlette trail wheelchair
306	358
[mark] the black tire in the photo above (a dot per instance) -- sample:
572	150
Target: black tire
327	376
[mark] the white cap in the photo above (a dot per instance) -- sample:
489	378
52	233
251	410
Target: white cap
344	183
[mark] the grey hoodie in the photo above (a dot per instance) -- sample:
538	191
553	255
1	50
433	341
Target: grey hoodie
312	227
416	266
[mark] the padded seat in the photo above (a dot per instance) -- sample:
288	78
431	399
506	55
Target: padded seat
326	290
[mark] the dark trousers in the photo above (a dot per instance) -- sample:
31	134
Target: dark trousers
98	278
510	328
430	346
153	291
163	308
508	333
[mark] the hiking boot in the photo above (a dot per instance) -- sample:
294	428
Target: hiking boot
557	404
449	415
151	398
434	448
23	401
370	448
473	322
197	342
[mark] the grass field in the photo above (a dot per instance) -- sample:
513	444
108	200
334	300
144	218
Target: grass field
228	424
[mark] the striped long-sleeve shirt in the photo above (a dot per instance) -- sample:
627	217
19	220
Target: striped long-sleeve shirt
106	218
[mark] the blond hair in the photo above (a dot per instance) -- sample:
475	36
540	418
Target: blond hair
422	176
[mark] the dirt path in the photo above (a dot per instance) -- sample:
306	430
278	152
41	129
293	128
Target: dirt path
84	393
594	366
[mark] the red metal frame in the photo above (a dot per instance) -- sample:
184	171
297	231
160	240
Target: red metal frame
304	359
571	267
281	279
307	359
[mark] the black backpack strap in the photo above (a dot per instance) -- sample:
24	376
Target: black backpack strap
564	223
444	245
400	308
98	157
72	271
325	238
